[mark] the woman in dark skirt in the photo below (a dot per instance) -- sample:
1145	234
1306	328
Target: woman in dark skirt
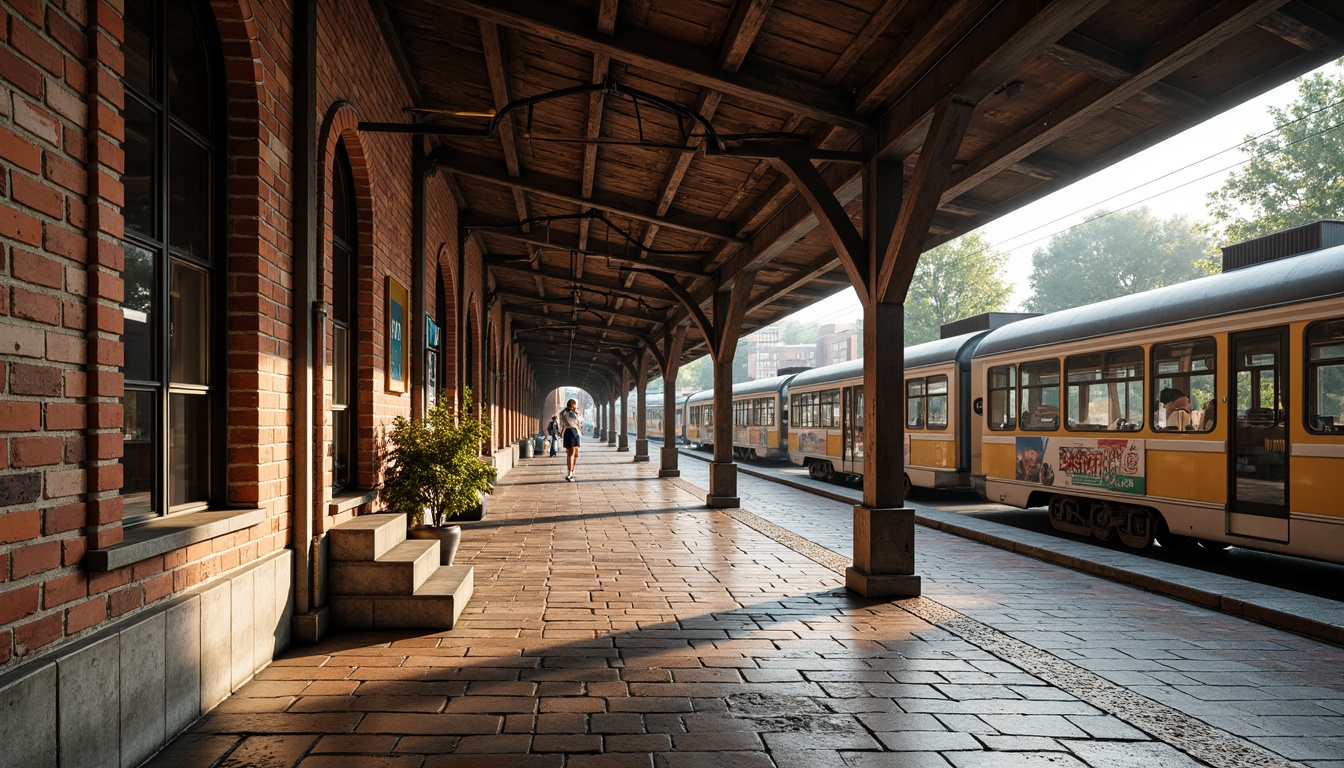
572	424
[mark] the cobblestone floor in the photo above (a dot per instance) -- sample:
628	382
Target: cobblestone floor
617	622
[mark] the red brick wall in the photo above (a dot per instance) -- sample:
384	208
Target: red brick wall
61	288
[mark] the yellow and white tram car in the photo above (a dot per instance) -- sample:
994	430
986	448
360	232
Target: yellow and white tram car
1211	410
760	418
826	408
653	416
699	409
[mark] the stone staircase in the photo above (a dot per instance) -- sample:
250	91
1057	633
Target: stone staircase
379	579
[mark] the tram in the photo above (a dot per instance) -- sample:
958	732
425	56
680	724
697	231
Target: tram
826	406
760	418
653	415
1208	411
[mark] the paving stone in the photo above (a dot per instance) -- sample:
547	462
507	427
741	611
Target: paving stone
1118	755
926	741
271	752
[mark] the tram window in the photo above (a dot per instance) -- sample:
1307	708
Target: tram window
1040	395
1002	397
1184	370
1325	378
937	404
829	412
803	410
914	404
1105	391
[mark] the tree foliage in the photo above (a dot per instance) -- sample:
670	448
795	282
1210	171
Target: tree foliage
955	280
697	374
1113	254
1295	174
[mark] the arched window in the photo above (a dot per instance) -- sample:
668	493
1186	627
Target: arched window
344	284
174	401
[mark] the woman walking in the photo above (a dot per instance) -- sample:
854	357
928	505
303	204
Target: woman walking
572	423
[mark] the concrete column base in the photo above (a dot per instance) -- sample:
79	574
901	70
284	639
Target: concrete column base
884	553
868	585
309	628
641	449
667	458
722	485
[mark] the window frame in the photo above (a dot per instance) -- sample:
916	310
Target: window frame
169	261
1104	378
1311	410
1010	391
944	396
1155	375
1024	389
345	430
915	417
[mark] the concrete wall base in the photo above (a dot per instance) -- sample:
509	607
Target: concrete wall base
115	698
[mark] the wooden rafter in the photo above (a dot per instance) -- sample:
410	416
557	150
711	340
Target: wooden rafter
1168	55
669	58
590	281
496	66
567	191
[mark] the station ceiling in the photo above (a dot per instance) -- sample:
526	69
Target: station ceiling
663	162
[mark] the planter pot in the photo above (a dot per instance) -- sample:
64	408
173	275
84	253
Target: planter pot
449	536
475	513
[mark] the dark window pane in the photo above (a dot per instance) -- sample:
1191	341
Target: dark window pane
140	178
189	187
189	448
341	304
340	448
188	70
138	48
138	456
340	366
190	333
138	308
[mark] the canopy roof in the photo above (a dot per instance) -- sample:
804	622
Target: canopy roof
680	180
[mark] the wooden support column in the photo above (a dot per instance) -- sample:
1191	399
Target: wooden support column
641	410
884	529
623	432
671	364
730	307
611	420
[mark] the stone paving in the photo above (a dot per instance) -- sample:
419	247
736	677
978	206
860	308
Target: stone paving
618	622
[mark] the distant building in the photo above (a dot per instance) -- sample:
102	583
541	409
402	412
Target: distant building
838	343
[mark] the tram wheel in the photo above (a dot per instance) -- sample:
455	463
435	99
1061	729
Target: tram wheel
906	488
1213	546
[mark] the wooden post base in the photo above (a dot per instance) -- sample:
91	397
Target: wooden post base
884	553
641	449
722	486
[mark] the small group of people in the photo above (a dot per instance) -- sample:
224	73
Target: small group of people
566	427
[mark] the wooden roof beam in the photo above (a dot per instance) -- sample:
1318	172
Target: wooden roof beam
567	191
942	23
1100	61
562	306
678	265
1206	32
1004	41
872	30
496	66
591	281
669	58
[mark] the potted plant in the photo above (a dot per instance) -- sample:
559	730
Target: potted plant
435	472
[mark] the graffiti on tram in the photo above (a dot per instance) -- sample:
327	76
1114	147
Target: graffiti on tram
1115	465
812	442
750	435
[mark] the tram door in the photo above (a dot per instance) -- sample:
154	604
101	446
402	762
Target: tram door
852	433
1258	450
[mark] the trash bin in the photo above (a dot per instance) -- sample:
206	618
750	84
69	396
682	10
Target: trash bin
538	445
525	449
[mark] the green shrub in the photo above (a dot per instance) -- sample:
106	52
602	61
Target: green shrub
434	463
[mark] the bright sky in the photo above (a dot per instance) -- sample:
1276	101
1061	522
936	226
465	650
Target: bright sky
1172	178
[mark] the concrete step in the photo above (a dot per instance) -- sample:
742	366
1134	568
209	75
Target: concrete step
399	571
437	604
367	537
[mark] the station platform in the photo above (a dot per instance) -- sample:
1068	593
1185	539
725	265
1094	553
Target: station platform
618	622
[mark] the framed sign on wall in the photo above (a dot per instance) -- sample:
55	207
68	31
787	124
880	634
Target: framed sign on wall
398	361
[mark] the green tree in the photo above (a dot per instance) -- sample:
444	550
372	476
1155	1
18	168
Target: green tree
697	374
1295	174
1113	254
957	279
